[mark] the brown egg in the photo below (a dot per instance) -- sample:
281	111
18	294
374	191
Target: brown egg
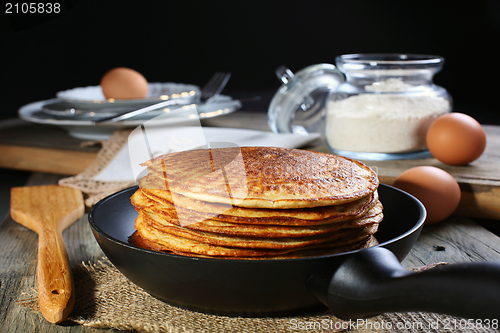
456	139
435	188
124	83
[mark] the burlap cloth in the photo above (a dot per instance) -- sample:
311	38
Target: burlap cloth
107	299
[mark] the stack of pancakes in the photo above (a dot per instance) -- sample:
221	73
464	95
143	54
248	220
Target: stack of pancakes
256	203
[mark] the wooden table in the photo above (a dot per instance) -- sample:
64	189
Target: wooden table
458	239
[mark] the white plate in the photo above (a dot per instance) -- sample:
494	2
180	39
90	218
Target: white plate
64	109
92	96
84	128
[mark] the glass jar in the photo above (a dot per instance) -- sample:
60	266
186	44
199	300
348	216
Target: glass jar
299	104
385	105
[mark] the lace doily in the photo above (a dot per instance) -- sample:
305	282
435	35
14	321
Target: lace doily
95	189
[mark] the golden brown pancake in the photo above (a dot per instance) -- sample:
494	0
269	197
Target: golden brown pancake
221	212
159	240
138	240
264	177
363	244
168	216
212	238
252	230
256	203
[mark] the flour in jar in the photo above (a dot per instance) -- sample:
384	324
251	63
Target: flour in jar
383	122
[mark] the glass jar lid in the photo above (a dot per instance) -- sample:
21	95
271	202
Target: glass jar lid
299	104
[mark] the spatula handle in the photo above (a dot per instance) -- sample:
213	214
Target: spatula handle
55	283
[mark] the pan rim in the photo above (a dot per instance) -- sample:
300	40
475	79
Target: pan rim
95	228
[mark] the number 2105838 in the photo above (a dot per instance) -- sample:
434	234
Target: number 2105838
32	8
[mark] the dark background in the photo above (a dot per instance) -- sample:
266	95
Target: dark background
186	41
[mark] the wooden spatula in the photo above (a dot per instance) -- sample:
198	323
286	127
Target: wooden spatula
48	210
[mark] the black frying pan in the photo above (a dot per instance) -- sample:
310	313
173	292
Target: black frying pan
353	284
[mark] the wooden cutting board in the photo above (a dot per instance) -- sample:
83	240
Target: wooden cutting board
48	210
479	181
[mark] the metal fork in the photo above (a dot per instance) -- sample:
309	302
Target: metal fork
209	92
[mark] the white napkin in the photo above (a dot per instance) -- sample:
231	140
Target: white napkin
126	164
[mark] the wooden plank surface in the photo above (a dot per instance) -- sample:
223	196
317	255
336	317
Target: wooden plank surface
43	148
17	132
457	239
38	159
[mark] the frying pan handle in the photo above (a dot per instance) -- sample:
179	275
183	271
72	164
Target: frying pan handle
373	281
